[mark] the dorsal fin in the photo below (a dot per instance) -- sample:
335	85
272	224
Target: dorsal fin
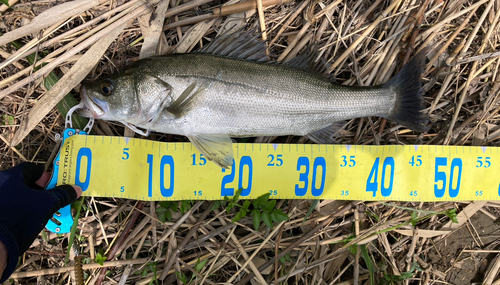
245	45
241	44
305	60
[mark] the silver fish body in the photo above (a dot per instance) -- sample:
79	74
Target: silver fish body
210	97
242	98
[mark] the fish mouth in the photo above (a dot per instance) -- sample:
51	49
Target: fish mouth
93	107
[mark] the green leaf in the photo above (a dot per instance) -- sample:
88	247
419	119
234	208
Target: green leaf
260	202
6	2
168	215
282	260
281	216
368	262
165	204
237	194
215	205
185	206
256	219
452	214
229	207
270	205
273	218
160	210
404	276
353	249
162	217
238	216
414	218
78	206
100	259
313	205
246	204
174	206
8	120
182	277
377	218
200	264
266	218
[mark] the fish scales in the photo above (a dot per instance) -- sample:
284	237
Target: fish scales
227	89
243	98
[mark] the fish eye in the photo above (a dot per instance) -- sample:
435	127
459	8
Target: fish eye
106	87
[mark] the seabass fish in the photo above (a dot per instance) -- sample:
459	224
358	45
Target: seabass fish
228	89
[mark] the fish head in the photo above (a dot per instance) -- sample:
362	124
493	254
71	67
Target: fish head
132	97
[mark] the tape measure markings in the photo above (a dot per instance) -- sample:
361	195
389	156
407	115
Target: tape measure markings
310	172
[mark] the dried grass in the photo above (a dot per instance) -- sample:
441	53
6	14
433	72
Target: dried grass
366	42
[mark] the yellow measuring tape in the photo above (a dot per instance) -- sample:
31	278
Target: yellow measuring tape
148	170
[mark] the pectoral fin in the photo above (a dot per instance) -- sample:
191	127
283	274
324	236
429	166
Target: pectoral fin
137	130
217	148
183	103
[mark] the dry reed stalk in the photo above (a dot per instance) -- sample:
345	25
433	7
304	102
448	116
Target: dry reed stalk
449	19
365	33
302	239
291	18
123	236
447	139
50	66
35	42
255	252
262	20
71	33
50	17
173	257
358	250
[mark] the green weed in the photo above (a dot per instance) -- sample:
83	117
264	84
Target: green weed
198	267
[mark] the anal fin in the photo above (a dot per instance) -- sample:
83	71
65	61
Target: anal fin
217	148
327	135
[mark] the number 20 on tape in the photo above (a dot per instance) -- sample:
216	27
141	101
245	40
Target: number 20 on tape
148	170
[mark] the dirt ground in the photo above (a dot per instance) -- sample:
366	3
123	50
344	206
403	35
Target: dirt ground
463	268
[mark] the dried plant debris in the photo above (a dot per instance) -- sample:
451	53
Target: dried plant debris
262	241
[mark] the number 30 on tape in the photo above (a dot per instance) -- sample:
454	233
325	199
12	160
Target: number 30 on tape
148	170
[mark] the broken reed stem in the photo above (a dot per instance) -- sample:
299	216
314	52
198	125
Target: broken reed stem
363	36
450	40
262	20
35	42
358	251
119	242
305	237
129	16
173	257
50	66
59	270
20	54
291	18
276	228
244	6
13	148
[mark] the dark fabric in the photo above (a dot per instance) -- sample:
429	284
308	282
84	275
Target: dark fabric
25	209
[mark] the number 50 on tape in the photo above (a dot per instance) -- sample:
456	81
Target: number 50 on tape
147	170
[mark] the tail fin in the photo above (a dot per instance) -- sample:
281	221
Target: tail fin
409	94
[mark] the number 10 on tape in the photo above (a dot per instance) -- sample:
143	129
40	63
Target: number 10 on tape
149	170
